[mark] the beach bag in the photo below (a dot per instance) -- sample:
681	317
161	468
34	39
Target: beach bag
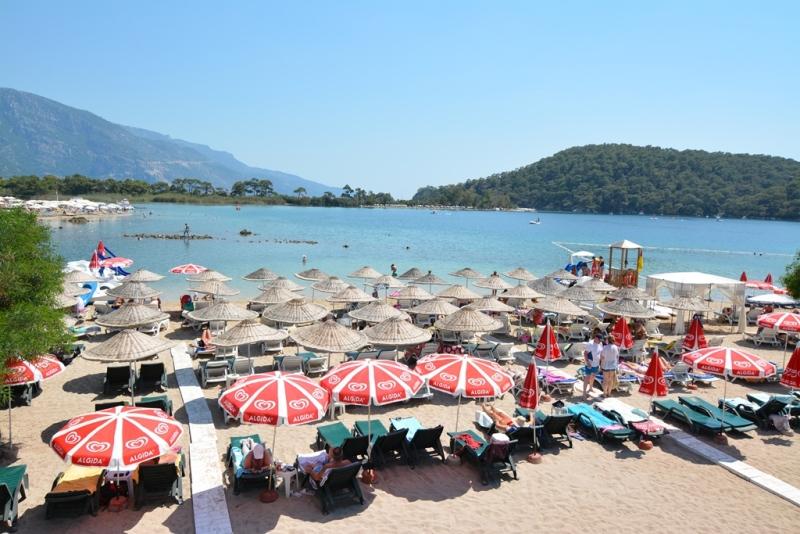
781	423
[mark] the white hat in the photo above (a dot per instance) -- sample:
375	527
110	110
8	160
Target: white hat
258	451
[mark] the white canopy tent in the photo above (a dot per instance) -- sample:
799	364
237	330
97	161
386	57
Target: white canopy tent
693	284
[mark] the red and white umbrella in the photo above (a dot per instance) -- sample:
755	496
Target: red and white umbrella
188	268
653	381
696	338
117	438
529	396
94	262
378	382
782	322
275	398
622	334
791	373
547	348
726	361
26	372
116	261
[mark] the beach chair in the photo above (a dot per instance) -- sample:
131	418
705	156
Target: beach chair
160	481
214	372
316	366
21	394
235	460
354	448
272	346
106	405
716	341
292	364
421	441
696	421
119	378
557	381
555	427
767	336
429	348
153	375
216	327
735	422
671	350
757	413
161	402
154	328
386	444
502	353
577	332
13	490
75	491
637	352
239	367
652	329
388	355
482	350
341	487
368	355
573	351
753	314
633	418
678	375
792	402
446	336
602	428
487	456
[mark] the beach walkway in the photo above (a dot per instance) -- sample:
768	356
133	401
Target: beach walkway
209	505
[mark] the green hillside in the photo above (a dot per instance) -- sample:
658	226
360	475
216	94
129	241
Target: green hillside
632	179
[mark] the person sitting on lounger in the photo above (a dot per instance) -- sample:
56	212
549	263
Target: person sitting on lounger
319	472
258	459
502	421
205	343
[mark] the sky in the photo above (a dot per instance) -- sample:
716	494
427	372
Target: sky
393	96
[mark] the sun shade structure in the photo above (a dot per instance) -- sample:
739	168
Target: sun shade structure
296	311
247	332
435	306
131	316
628	292
559	306
127	346
490	304
312	275
260	275
77	292
332	284
283	283
387	281
695	304
209	276
365	273
78	277
274	295
626	308
222	311
376	312
458	292
595	284
494	282
275	398
188	268
413	293
215	288
468	320
396	332
521	274
133	290
411	274
561	274
468	274
429	279
329	336
521	292
65	300
546	286
578	293
351	294
143	275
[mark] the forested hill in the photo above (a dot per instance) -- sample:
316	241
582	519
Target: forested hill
632	179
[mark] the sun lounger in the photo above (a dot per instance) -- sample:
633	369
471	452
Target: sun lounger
388	355
555	380
767	336
734	421
240	367
292	364
162	402
386	444
696	421
752	411
489	457
421	441
119	378
481	350
792	402
555	427
22	394
336	434
373	428
152	375
106	405
653	330
235	460
341	487
633	418
160	481
316	366
600	426
75	491
13	487
214	372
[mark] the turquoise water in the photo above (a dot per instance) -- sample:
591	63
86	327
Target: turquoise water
444	242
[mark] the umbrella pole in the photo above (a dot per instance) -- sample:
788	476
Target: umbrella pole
458	412
133	383
785	348
9	416
369	426
272	465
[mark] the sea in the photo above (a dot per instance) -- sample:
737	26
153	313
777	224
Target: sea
340	240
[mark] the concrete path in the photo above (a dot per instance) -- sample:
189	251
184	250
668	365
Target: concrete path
208	494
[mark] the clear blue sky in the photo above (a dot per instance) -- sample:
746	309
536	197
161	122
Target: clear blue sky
391	96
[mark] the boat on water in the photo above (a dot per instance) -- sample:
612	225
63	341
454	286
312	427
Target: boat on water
537	220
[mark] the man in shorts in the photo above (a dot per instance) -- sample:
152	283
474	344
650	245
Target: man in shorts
609	362
591	358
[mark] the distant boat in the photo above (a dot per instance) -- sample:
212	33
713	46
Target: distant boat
535	221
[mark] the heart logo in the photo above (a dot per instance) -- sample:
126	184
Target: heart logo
72	438
241	395
387	385
137	443
161	429
318	394
476	382
447	377
355	387
97	446
334	379
299	404
405	377
263	405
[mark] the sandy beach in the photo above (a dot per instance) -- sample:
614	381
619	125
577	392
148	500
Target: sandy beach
591	487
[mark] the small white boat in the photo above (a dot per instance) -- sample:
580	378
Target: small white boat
535	221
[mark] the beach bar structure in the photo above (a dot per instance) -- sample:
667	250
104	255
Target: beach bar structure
629	257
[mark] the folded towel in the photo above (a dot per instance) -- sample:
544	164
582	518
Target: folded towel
469	441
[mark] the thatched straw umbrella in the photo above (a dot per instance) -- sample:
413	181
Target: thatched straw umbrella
493	282
413	293
332	284
329	336
468	274
468	320
78	277
693	304
274	295
396	332
221	311
631	293
595	284
296	311
437	306
490	304
365	273
430	280
458	292
521	274
260	275
411	274
626	308
376	312
283	283
578	293
546	286
559	306
561	274
143	275
133	290
131	316
215	288
521	292
209	276
351	295
248	332
312	275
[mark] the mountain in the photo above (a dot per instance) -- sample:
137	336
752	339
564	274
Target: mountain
40	136
631	179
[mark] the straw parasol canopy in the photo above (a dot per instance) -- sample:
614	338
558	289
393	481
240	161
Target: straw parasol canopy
435	306
429	279
222	311
630	292
274	295
388	281
411	274
490	304
561	274
127	346
351	294
312	275
247	332
143	275
694	304
521	292
66	301
521	274
559	306
626	308
469	274
365	272
458	292
296	311
283	283
332	284
396	332
546	286
131	316
209	276
493	282
376	312
329	336
578	293
262	274
413	293
215	288
133	290
78	277
77	292
468	320
596	284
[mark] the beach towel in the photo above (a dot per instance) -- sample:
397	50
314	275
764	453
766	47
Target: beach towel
647	427
469	441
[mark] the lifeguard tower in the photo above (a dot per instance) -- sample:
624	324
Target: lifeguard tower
629	262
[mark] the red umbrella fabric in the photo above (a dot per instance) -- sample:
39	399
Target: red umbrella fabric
622	334
791	373
783	321
743	277
24	372
653	381
101	248
463	375
768	279
547	348
729	362
117	438
529	397
275	398
94	263
116	261
378	382
696	338
188	268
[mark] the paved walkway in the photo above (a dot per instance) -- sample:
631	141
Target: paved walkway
208	494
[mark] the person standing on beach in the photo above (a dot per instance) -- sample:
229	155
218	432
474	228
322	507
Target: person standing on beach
609	362
594	348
